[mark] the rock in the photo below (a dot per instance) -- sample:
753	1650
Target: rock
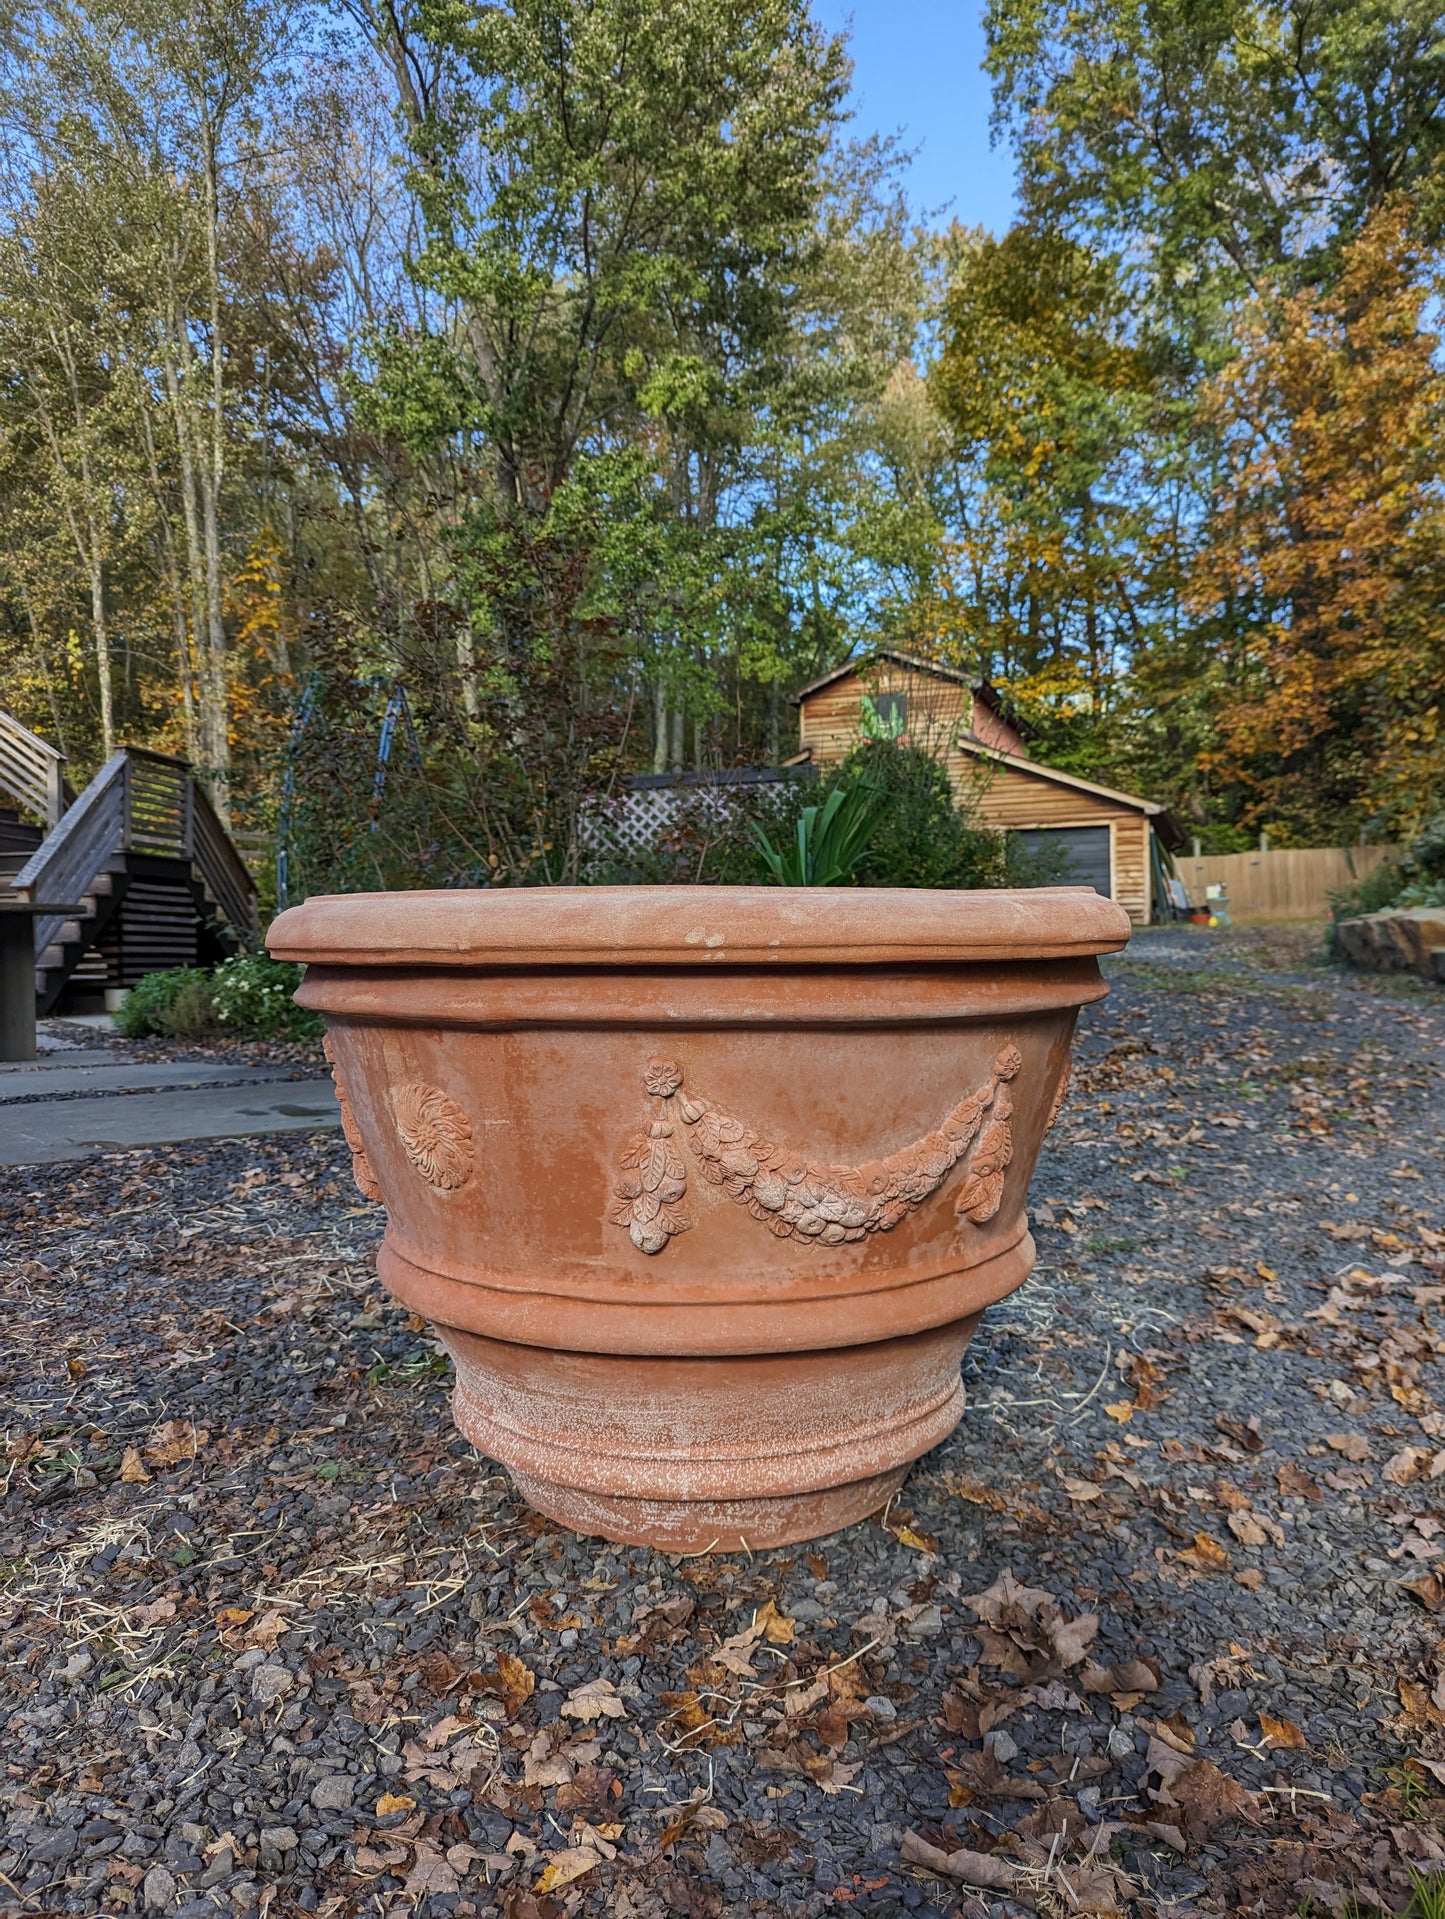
76	1667
334	1793
279	1838
881	1706
158	1890
270	1683
925	1624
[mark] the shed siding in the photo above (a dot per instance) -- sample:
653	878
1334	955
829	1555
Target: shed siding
1006	797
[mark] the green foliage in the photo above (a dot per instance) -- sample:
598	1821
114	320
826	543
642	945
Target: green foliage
921	836
1417	878
252	993
173	1003
829	840
246	994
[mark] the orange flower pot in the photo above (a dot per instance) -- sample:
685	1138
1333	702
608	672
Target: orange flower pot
705	1189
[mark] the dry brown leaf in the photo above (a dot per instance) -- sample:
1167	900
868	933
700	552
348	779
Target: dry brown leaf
1282	1733
544	1767
267	1630
431	1872
970	1868
1353	1445
1293	1480
1080	1490
1429	1590
174	1441
1208	1798
597	1699
1206	1555
132	1468
1247	1529
1023	1630
1120	1409
563	1867
920	1542
153	1614
394	1802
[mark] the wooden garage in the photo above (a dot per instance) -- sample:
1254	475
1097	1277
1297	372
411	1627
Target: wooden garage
1104	838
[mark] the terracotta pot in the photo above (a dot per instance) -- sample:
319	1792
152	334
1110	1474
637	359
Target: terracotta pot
705	1189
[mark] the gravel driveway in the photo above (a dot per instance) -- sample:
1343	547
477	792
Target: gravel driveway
1159	1629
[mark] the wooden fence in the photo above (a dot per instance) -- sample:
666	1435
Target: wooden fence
1286	883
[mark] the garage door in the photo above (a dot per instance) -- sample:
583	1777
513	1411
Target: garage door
1067	856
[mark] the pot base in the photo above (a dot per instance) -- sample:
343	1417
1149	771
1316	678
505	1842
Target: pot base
710	1525
758	1449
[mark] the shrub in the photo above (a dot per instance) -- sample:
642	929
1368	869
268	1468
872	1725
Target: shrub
1417	878
252	994
921	837
156	1001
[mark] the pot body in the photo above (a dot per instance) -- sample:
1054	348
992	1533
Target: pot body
705	1231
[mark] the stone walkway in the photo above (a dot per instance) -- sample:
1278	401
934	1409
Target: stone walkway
76	1101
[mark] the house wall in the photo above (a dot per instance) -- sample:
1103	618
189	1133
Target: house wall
1004	797
938	710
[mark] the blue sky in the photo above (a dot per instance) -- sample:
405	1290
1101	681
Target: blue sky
917	69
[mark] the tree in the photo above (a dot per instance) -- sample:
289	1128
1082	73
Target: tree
1331	528
1228	142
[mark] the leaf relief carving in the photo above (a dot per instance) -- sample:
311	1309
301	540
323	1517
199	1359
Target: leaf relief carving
796	1198
360	1165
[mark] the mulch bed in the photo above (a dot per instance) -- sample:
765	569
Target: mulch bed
1159	1628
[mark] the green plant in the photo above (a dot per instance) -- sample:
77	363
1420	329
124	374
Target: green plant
829	841
152	1003
192	1013
922	836
1427	1895
252	993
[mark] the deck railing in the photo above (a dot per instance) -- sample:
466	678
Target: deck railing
32	772
145	803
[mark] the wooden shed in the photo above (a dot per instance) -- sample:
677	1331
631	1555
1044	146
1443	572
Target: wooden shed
1104	836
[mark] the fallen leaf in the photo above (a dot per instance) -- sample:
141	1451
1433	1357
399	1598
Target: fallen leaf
231	1617
597	1699
1081	1490
132	1468
1293	1480
153	1614
267	1630
1353	1445
1413	1462
1247	1529
174	1441
979	1775
1282	1733
1249	1435
1121	1409
775	1627
920	1542
544	1767
1205	1555
563	1867
431	1872
390	1802
971	1868
1024	1631
1429	1590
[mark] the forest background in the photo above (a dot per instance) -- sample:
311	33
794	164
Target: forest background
568	368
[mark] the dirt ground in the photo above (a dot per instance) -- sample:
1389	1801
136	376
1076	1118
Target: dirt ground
1157	1630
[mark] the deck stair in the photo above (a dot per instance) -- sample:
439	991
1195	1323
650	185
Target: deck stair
141	850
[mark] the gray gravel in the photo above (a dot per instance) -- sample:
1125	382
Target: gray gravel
275	1639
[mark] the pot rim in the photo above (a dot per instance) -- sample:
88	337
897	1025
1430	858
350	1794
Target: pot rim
605	926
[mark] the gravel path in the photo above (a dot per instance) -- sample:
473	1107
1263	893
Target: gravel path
1156	1631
